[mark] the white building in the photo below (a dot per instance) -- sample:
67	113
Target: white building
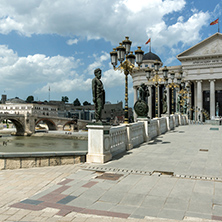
29	109
202	69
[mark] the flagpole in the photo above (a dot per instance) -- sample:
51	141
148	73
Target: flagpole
150	45
218	24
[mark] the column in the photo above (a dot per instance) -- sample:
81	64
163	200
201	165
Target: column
157	100
168	100
135	99
212	99
199	99
150	102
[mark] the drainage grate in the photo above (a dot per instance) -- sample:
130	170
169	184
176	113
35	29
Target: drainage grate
108	171
203	150
116	170
216	179
214	128
163	173
109	176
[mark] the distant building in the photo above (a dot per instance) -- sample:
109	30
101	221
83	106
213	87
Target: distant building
201	66
28	109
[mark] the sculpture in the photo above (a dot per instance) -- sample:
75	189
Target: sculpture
98	94
217	109
141	108
164	101
178	103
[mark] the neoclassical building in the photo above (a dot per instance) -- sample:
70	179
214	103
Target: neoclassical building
201	66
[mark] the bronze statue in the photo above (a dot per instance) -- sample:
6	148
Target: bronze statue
141	108
143	92
98	94
164	101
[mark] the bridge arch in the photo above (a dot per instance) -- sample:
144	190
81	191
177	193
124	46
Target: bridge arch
51	125
70	123
19	125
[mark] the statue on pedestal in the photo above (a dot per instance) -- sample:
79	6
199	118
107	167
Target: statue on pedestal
164	101
141	108
98	94
178	103
217	109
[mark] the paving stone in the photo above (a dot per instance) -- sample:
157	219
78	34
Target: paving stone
141	212
171	214
217	210
153	201
176	204
200	207
132	199
98	205
112	197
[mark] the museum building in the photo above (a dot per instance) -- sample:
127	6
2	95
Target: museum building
201	69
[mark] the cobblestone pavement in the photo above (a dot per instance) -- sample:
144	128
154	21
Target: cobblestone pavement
175	177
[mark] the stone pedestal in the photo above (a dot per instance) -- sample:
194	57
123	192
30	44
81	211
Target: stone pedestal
98	144
145	121
167	116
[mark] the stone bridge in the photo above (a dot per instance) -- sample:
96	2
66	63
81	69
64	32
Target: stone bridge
25	124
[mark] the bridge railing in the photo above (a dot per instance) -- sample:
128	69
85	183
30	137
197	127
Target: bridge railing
105	141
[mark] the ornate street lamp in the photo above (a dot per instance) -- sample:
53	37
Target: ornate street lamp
172	86
156	80
121	53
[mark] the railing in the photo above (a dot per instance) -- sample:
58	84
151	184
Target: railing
136	132
118	139
105	141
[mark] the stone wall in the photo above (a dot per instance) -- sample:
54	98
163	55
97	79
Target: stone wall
28	160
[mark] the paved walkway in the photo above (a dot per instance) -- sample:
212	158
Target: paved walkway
178	176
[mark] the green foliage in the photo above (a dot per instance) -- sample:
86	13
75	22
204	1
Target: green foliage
65	99
76	102
86	103
30	99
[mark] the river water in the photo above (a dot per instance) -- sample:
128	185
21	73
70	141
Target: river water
10	143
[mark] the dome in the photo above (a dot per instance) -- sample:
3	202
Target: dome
15	100
151	56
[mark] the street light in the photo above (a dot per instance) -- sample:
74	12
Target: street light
121	53
156	80
173	85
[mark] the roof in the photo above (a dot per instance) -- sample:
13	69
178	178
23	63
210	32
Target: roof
15	100
151	56
198	45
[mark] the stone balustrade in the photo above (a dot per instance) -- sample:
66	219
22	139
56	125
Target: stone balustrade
106	141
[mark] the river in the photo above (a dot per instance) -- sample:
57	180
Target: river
10	143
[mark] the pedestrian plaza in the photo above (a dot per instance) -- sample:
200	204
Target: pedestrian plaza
177	176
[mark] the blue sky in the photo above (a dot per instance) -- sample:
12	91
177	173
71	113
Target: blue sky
59	43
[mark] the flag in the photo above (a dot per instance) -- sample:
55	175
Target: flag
215	22
148	41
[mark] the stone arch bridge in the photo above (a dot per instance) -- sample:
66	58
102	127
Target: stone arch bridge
25	124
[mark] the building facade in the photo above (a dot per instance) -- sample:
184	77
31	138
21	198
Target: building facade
201	66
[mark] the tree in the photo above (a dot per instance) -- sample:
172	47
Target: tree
30	99
76	102
86	103
65	99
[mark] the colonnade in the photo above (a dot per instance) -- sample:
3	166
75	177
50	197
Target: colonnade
195	101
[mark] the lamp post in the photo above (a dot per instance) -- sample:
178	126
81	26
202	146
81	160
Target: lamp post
155	80
172	86
127	59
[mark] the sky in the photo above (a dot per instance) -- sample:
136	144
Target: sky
50	48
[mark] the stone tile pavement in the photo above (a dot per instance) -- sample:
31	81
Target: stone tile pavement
177	176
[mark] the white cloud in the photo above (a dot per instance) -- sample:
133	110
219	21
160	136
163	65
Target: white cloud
111	20
112	78
21	72
72	41
98	63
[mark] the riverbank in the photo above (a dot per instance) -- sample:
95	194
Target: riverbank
82	135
